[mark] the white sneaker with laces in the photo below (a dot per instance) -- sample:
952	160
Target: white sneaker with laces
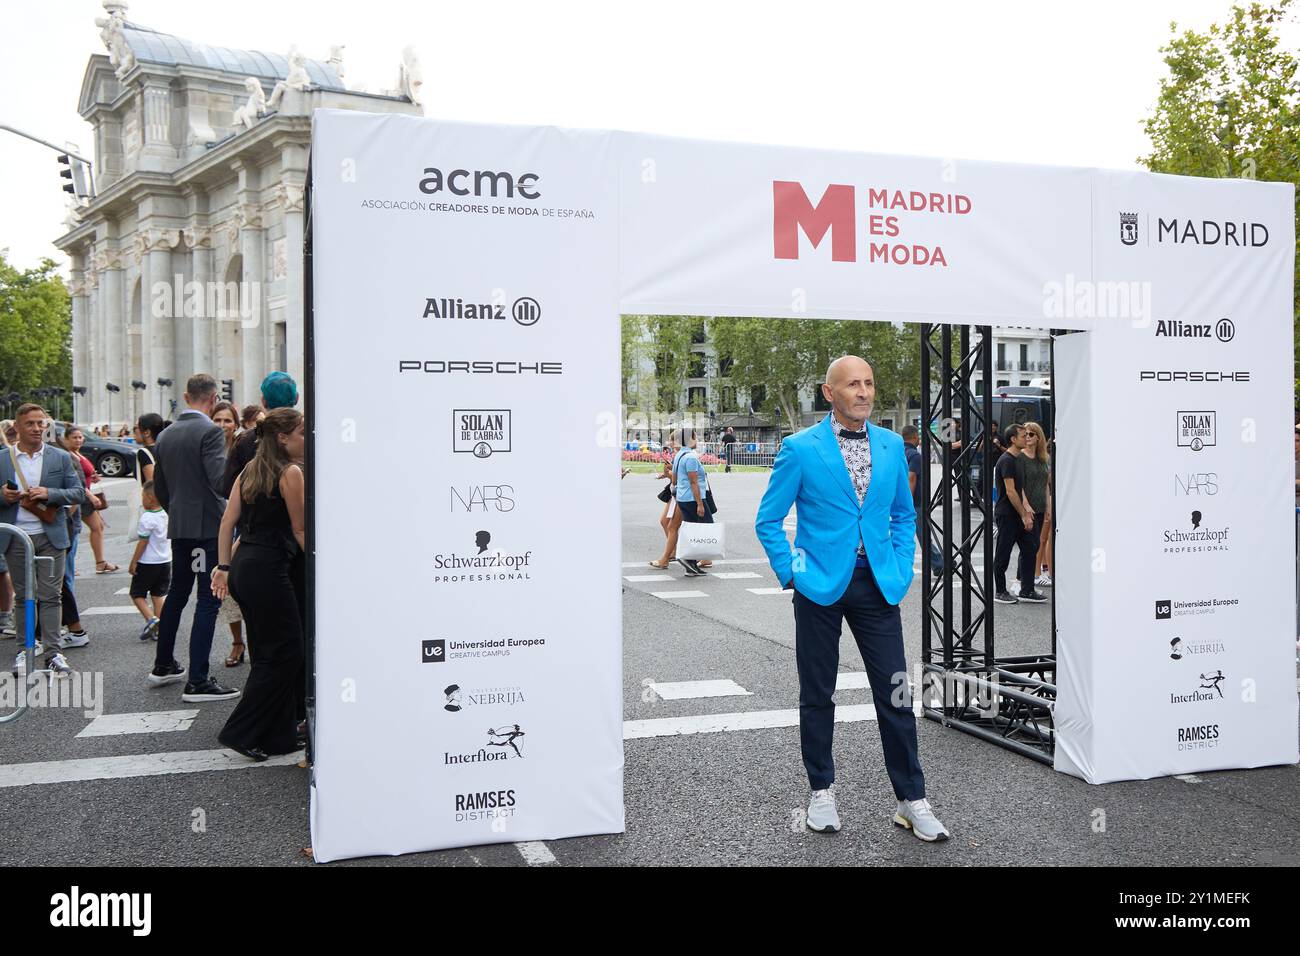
822	815
74	640
916	815
58	665
1044	580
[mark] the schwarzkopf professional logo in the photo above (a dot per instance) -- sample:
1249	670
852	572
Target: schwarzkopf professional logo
1128	228
1209	690
1196	540
1197	430
479	565
480	432
498	498
1198	737
433	652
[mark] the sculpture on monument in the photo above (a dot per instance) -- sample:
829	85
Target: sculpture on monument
296	80
410	79
110	31
336	60
247	114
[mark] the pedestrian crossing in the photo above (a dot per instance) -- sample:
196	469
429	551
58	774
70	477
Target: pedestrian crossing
684	594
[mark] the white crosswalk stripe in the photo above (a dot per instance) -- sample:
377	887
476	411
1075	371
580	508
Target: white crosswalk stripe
148	722
697	689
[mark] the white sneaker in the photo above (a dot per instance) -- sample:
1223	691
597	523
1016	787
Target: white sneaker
916	815
822	815
1044	580
74	640
57	665
20	662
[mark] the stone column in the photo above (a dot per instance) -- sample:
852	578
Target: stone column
290	198
97	407
253	290
202	337
113	321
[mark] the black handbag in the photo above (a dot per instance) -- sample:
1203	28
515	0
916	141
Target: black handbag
708	502
665	493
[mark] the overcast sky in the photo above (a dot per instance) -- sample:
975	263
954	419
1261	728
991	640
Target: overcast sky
1041	82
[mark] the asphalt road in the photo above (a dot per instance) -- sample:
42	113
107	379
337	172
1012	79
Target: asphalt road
721	798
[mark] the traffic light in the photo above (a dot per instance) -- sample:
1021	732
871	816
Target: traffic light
228	390
77	176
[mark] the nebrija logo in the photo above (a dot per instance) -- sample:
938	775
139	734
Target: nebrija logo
836	213
103	909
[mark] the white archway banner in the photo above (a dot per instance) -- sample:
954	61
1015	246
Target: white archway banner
465	393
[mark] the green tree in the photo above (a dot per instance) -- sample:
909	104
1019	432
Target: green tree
35	329
1229	106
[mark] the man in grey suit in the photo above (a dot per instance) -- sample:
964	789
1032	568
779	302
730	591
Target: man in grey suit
45	478
190	461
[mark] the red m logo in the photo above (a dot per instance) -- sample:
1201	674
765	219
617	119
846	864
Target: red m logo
792	211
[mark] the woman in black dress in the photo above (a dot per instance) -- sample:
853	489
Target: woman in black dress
268	504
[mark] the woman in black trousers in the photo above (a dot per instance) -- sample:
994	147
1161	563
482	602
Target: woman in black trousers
268	504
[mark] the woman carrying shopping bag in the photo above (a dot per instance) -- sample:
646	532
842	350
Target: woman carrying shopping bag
695	503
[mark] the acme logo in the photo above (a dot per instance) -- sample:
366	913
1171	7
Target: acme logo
836	213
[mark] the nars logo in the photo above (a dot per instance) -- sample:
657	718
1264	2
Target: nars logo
483	498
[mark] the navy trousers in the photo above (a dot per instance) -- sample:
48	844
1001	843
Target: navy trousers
878	629
193	561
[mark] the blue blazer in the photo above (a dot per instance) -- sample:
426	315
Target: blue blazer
810	472
63	480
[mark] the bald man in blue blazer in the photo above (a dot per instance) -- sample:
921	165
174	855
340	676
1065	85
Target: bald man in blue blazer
851	560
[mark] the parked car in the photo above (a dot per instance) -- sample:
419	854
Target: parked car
112	457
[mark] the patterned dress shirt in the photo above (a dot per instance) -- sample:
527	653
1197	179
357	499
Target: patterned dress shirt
857	459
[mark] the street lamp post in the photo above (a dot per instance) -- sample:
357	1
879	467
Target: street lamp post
112	390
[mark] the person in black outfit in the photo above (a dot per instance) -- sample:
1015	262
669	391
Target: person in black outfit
1010	518
268	504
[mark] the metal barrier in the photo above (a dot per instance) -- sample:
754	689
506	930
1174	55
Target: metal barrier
760	454
29	619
